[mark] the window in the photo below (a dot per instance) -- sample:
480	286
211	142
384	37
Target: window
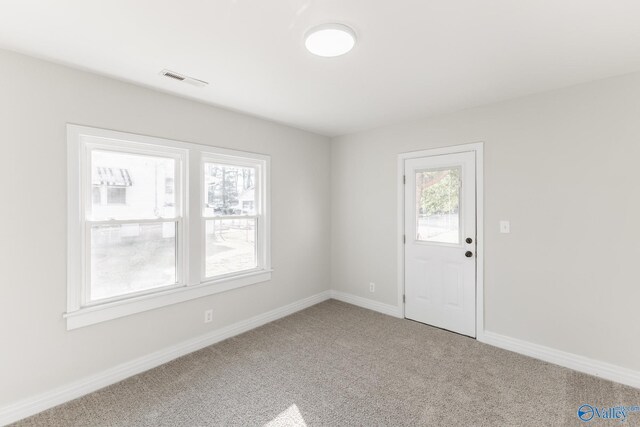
116	196
96	195
134	246
231	222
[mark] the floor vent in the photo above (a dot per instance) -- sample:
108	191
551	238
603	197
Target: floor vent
182	78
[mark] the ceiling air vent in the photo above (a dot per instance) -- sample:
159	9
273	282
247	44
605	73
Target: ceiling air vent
182	78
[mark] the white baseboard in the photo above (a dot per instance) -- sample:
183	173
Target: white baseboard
391	310
30	406
568	360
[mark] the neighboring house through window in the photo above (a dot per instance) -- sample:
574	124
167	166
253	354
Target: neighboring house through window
109	185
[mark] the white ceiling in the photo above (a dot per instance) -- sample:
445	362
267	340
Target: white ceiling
413	58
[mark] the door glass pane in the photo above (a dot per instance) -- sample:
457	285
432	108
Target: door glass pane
229	190
230	246
127	258
135	186
438	205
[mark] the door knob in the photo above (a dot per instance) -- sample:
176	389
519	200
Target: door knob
469	240
468	254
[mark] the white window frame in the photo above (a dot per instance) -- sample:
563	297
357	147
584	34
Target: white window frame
189	193
87	145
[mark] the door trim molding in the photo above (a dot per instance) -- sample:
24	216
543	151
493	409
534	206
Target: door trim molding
478	148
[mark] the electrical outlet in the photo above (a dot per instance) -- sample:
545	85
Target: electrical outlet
372	287
208	316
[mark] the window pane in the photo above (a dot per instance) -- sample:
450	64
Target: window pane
130	258
136	186
230	246
229	190
438	205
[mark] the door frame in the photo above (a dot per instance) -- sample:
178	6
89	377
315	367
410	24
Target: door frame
478	148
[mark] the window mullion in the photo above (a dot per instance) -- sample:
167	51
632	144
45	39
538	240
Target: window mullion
194	223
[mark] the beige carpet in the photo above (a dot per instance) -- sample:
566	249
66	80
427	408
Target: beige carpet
340	365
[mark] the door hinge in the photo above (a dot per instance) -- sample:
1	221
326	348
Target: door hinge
404	239
404	179
404	299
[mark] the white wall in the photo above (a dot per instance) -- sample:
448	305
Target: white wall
561	166
564	168
37	99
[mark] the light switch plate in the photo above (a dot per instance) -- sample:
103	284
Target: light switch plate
505	227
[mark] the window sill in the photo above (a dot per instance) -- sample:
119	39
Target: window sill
100	313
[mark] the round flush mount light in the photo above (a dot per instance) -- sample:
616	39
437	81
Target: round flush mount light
330	40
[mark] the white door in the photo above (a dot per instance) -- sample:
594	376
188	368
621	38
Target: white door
440	241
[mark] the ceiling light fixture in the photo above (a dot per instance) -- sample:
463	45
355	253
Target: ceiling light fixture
330	40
